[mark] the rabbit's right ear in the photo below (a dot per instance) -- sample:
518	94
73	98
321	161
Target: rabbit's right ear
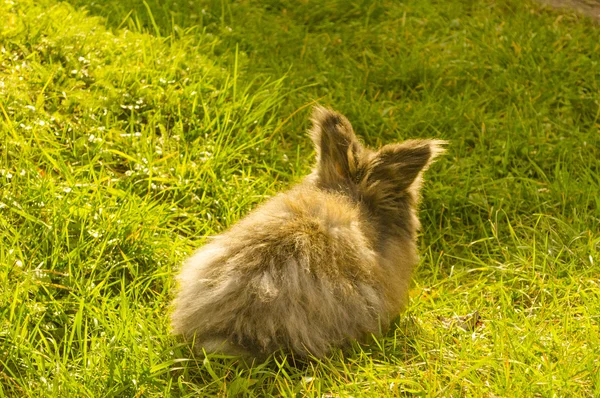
336	145
398	166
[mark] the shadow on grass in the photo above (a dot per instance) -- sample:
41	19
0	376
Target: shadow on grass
398	346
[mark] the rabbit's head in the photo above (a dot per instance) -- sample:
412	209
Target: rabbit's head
386	182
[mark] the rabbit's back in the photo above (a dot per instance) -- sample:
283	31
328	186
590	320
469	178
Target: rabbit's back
299	272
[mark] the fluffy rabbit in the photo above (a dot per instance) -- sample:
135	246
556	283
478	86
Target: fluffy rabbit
326	262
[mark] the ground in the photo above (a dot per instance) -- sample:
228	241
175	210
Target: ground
590	8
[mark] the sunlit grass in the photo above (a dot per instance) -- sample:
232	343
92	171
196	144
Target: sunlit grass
133	130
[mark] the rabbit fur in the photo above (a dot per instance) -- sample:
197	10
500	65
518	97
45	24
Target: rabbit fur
313	268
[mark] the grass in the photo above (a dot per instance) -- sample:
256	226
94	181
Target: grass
131	130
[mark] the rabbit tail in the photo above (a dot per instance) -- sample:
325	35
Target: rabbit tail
305	281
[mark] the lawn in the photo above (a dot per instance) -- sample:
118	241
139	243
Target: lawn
132	130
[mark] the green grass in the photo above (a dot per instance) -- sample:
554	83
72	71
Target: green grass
131	130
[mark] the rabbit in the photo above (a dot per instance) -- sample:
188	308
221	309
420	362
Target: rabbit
316	267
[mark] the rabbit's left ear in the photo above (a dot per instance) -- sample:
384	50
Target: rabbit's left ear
336	144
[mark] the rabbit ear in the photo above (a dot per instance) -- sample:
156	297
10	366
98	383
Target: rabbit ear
336	145
401	164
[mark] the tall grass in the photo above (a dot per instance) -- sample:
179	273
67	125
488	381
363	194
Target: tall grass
130	131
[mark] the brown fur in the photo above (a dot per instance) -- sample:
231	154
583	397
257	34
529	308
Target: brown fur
313	268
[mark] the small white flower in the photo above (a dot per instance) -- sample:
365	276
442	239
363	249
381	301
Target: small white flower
67	189
19	263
